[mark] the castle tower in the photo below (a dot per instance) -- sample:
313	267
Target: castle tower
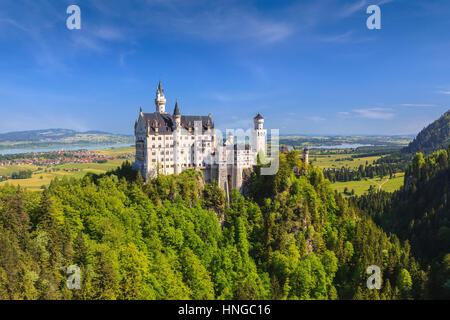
160	100
259	135
306	155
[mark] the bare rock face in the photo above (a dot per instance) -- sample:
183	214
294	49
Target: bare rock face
246	175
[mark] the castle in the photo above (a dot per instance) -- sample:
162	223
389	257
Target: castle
171	143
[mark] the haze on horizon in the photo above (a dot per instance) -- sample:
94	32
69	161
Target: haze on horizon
309	67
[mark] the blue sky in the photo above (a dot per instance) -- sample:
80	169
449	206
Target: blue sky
310	67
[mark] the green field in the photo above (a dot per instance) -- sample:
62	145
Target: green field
361	187
7	171
117	151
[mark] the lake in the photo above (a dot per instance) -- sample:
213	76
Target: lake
342	146
68	148
338	146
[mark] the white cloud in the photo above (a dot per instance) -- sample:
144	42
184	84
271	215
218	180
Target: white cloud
444	92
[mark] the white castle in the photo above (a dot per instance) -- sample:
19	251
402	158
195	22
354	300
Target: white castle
171	143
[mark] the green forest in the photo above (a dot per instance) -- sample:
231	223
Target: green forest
289	236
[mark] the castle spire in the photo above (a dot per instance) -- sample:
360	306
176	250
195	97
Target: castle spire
160	88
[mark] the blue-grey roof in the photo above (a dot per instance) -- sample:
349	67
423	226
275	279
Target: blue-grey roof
166	122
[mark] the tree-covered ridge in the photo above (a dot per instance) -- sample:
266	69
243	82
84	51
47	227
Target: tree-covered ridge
177	238
420	213
434	137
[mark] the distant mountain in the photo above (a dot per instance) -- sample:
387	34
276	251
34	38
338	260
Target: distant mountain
60	138
434	137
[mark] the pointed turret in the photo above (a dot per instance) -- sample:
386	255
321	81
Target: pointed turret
177	115
176	111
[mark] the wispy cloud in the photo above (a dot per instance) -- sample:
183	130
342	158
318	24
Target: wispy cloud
352	8
109	33
225	22
444	91
214	21
375	113
316	119
418	105
15	24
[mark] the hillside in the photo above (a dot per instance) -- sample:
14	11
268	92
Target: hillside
176	237
434	137
59	138
420	213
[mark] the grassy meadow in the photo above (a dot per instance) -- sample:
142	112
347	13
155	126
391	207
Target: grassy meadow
332	160
339	160
361	187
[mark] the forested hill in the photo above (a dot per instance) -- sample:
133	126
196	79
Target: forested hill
175	237
59	137
420	213
434	137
